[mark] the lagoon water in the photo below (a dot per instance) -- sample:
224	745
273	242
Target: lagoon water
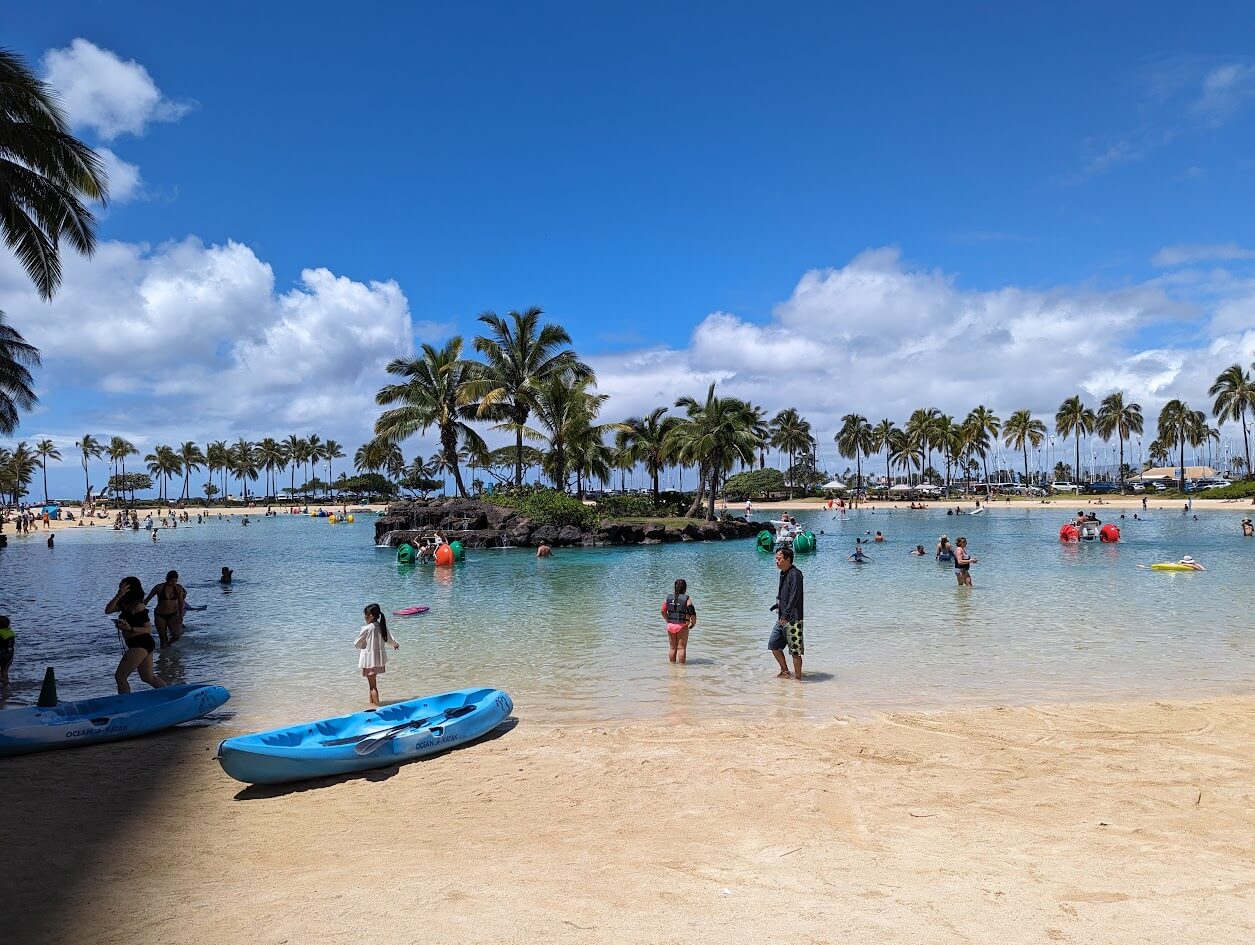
578	637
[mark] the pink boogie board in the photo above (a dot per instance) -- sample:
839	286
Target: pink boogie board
410	611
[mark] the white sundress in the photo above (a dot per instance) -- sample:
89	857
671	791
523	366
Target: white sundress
373	651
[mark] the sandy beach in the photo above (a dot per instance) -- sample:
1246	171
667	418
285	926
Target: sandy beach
1083	823
213	512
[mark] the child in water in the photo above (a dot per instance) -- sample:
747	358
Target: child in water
681	617
8	644
373	641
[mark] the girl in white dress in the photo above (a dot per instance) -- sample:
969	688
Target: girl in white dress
373	641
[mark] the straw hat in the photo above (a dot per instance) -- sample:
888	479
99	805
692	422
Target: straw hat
1187	560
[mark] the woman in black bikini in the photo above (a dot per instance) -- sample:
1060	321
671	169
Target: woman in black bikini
168	615
137	632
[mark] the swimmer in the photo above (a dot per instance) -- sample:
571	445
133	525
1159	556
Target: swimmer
944	550
544	551
154	534
1248	530
49	541
1188	562
226	575
681	617
879	537
858	557
919	551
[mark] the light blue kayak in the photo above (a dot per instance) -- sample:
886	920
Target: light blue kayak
379	738
105	719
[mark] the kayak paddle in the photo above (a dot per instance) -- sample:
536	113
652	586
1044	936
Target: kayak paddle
373	742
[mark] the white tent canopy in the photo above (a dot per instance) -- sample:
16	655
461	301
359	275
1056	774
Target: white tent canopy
901	487
833	484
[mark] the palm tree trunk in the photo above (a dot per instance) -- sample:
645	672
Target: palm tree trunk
1076	474
1025	448
45	465
714	487
1247	441
518	454
1181	434
654	471
701	488
1120	468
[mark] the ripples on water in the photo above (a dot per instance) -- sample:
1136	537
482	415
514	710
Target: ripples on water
578	637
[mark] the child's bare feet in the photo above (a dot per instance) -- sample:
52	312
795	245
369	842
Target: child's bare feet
784	674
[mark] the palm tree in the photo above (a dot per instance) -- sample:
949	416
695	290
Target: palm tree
884	435
1073	417
313	454
163	465
1157	453
331	451
790	434
190	458
218	459
520	355
565	408
715	435
643	440
270	453
984	426
437	391
1180	426
46	450
91	449
1022	431
1121	419
17	469
16	359
1235	397
48	173
294	450
119	449
907	453
242	459
855	440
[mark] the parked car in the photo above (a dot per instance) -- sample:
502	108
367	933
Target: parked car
1064	487
1102	488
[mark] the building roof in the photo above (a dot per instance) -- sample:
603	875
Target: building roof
1174	472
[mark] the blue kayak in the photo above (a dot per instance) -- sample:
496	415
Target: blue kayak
105	719
379	738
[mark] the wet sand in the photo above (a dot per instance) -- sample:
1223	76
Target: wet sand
1082	823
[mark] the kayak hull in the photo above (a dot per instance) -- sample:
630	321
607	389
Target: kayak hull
326	747
107	719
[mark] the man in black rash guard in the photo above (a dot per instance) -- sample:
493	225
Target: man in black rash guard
787	631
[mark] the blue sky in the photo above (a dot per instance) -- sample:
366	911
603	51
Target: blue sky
831	208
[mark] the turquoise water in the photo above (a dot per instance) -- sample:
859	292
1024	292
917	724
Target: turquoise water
578	637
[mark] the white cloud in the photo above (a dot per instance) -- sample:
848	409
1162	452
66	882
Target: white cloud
188	340
1184	254
880	338
1225	90
124	178
103	92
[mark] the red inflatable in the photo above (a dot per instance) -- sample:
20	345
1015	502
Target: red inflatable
444	555
1109	533
1069	533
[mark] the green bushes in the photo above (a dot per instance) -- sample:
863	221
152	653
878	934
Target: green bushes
751	485
1239	490
544	506
635	505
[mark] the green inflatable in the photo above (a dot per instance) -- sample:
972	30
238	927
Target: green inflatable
405	554
766	540
804	543
458	551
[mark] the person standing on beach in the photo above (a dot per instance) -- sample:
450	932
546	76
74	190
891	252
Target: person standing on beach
373	641
787	631
681	617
